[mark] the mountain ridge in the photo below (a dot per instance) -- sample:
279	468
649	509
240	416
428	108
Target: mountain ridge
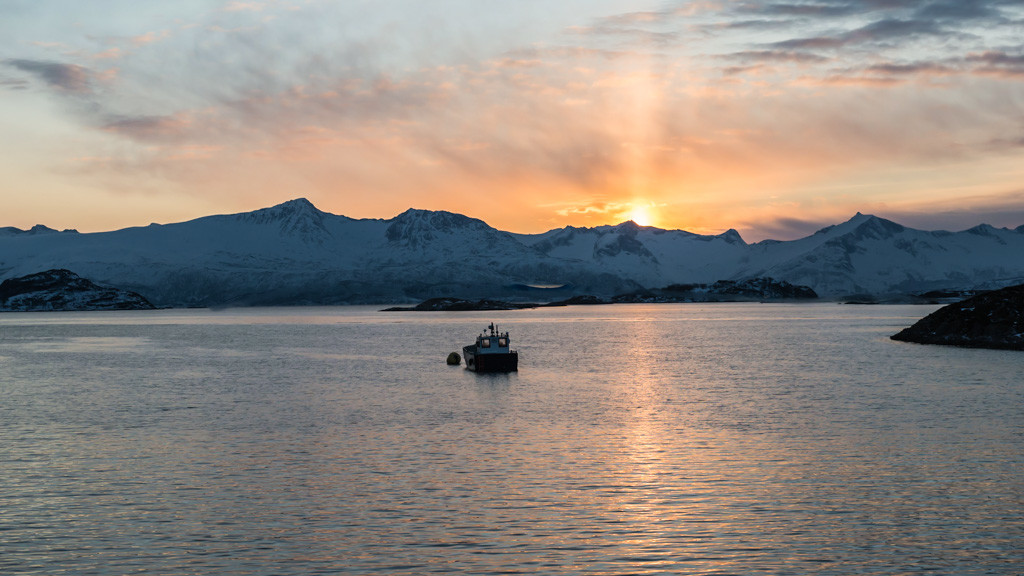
294	253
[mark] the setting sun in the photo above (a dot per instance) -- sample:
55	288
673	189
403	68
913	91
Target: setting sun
641	215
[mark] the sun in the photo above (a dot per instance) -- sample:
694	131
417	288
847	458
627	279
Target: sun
641	215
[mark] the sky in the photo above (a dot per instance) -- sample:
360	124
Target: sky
774	118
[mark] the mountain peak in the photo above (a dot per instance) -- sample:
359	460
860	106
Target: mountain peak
437	220
41	229
982	230
297	204
415	227
879	226
36	230
285	210
865	225
732	236
298	217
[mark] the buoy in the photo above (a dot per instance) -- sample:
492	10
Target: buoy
454	359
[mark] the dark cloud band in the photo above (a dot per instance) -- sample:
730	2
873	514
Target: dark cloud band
68	77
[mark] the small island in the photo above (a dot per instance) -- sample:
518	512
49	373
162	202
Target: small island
989	320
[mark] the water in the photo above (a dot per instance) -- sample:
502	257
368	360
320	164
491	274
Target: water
662	439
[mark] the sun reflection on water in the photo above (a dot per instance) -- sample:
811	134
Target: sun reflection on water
673	442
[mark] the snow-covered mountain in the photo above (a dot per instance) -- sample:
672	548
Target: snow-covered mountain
871	255
650	256
294	253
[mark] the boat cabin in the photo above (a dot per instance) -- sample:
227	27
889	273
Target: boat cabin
494	343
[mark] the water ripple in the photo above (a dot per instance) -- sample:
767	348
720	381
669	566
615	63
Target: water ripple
674	443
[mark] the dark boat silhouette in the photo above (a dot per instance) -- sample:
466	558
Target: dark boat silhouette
491	353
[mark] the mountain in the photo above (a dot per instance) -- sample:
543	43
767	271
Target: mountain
37	229
64	290
871	255
650	256
293	253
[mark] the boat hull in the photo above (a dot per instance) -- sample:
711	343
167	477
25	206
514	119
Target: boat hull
501	362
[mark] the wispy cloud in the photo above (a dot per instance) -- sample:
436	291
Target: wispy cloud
876	32
998	63
778	56
13	84
149	38
785	227
148	127
244	6
682	104
66	77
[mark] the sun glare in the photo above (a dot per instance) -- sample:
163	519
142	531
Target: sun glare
641	215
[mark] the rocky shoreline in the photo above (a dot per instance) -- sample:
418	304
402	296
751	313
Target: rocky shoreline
990	320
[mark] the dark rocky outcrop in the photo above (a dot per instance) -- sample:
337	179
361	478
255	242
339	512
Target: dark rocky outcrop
990	320
64	290
763	288
751	289
460	305
582	300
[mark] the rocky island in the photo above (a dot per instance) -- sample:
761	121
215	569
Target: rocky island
63	290
989	320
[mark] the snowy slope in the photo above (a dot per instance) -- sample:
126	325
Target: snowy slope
651	256
294	253
872	255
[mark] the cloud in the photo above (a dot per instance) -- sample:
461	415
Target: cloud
778	56
953	10
67	77
601	106
999	211
148	127
813	9
998	59
148	38
628	34
13	84
244	6
109	54
961	10
892	69
997	63
591	207
785	228
875	32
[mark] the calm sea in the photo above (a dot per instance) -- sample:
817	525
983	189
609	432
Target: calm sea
636	439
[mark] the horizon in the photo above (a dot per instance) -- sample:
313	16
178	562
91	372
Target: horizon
774	119
614	224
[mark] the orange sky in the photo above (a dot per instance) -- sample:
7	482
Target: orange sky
772	118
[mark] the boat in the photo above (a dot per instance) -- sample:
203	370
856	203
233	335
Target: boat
491	353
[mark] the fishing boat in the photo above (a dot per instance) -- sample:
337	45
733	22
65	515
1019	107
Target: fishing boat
491	353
